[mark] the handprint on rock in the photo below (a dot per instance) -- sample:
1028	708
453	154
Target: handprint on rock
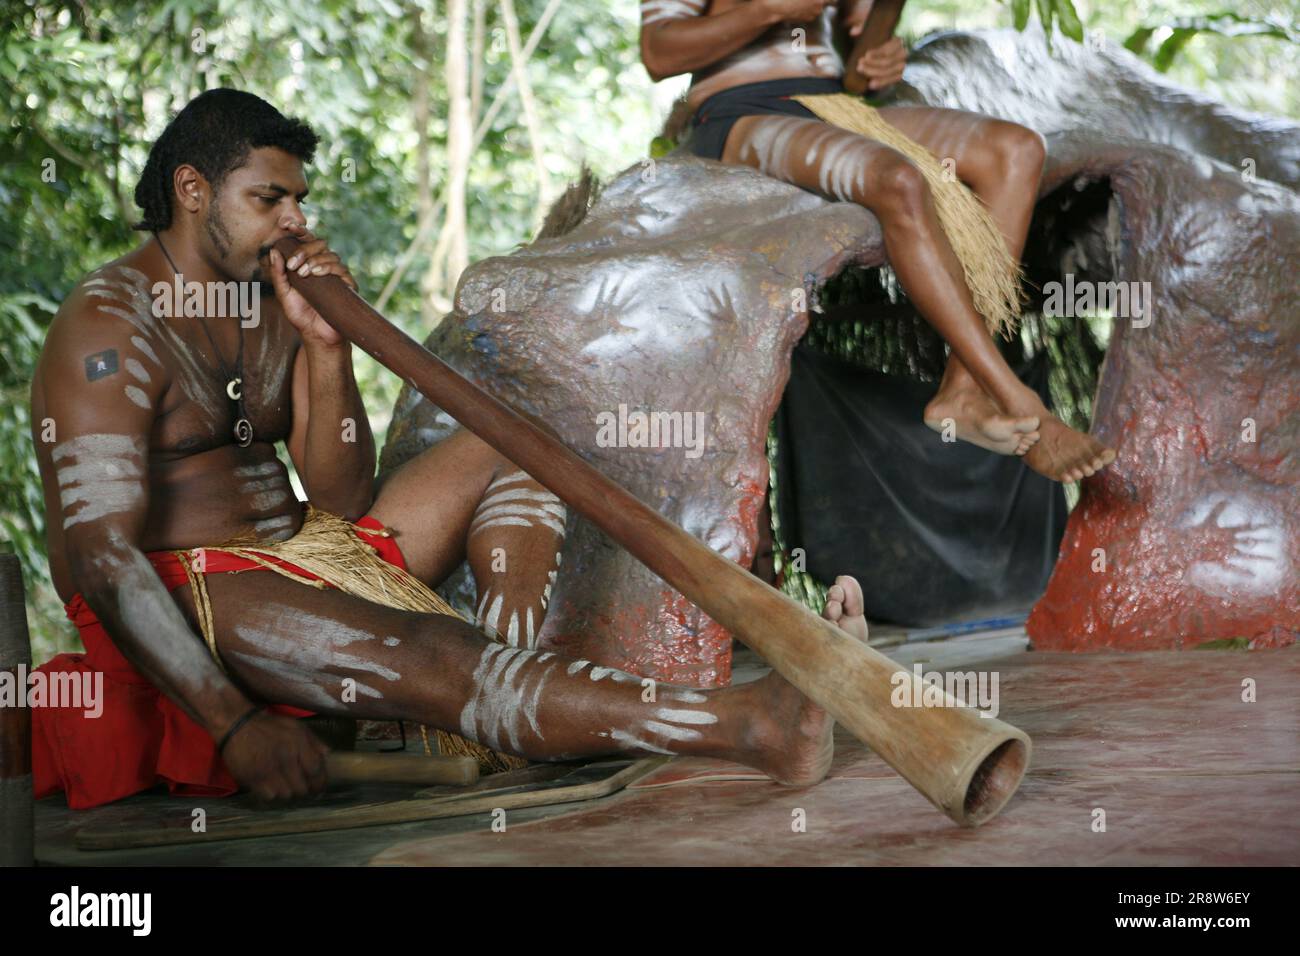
1241	543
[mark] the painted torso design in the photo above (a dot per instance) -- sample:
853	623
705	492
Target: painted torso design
202	486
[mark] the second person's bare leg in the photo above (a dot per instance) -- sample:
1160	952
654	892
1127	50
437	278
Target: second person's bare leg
1002	163
852	168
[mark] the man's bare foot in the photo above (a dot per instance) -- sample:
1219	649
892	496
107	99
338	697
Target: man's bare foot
797	745
846	608
975	418
1064	454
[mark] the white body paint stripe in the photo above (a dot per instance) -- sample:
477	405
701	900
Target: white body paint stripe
632	743
511	521
686	716
670	732
146	350
490	624
258	471
137	371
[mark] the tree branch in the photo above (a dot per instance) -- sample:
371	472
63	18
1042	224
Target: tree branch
426	223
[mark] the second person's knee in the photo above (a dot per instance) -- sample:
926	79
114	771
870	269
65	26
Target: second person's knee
901	190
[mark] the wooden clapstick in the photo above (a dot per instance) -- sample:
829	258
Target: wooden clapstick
967	765
400	768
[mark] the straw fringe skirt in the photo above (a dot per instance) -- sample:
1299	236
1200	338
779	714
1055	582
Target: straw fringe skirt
992	276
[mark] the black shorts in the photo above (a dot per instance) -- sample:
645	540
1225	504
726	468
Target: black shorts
716	115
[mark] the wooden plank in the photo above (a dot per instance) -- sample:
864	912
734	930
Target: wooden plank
253	825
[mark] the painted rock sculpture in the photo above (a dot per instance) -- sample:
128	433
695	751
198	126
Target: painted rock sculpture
684	289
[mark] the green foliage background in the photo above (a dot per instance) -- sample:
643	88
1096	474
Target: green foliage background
85	85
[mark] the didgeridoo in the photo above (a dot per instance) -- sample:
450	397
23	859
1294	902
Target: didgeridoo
876	31
965	764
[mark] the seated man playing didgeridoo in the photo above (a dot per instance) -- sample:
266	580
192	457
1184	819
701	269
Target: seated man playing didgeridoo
218	607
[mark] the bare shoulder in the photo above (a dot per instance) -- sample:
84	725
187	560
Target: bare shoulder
105	332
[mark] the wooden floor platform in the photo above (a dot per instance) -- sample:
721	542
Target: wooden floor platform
1184	771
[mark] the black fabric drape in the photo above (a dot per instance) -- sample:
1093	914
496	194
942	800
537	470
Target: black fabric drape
936	532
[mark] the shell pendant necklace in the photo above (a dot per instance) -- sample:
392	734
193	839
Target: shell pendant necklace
243	429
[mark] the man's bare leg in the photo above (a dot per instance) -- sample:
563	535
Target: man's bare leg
852	168
460	500
340	655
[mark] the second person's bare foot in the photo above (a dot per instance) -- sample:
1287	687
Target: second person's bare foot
1064	454
846	608
973	417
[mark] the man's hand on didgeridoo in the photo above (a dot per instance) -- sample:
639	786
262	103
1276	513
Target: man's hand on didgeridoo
883	65
276	759
313	258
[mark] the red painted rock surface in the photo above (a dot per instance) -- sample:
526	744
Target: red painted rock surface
1198	519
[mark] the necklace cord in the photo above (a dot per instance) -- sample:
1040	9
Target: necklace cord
235	377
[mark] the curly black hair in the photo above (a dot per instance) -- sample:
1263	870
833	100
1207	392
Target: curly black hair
214	133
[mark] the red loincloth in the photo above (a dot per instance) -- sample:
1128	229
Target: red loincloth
141	738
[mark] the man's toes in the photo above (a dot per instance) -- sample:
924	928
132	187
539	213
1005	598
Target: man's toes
851	600
834	608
